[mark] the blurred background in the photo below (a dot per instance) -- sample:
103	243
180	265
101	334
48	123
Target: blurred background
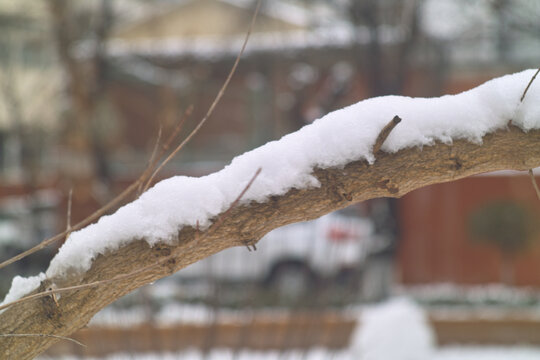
86	86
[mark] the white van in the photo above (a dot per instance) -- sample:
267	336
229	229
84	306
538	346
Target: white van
294	256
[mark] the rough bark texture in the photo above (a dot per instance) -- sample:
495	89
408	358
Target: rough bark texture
392	175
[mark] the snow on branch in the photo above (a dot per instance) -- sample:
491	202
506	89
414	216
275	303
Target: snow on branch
322	167
336	139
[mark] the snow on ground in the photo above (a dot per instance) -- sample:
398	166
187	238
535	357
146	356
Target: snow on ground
394	330
445	353
471	295
347	134
488	353
171	313
397	329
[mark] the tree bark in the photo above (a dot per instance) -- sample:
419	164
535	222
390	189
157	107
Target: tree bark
392	175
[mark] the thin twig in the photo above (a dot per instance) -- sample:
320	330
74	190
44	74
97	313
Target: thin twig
166	147
148	171
152	161
44	335
156	145
177	129
218	96
68	215
97	214
235	202
384	133
53	292
154	158
531	174
83	286
94	216
529	85
535	185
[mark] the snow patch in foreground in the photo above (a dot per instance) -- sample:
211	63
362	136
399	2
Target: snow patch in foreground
450	353
334	140
397	330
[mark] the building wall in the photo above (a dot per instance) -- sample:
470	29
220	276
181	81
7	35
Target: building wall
436	244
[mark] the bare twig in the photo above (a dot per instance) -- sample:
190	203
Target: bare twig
94	216
154	158
97	214
53	292
384	133
166	147
44	335
535	185
218	96
156	147
531	174
68	215
529	85
82	286
177	129
235	202
148	171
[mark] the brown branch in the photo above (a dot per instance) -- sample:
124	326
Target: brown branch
235	202
54	291
68	215
218	96
504	149
535	185
166	147
531	174
384	133
148	171
154	158
529	85
96	215
45	335
176	130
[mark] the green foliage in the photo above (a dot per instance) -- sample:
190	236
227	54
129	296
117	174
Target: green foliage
508	225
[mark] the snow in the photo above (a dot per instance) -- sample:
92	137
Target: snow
471	295
445	353
288	12
451	19
397	329
347	134
488	353
216	47
172	313
21	286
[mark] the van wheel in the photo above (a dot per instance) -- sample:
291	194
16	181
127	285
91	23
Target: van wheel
291	281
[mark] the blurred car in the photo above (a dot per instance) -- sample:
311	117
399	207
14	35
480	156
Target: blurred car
294	257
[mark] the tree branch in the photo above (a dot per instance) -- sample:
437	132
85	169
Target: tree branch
384	134
534	184
392	175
